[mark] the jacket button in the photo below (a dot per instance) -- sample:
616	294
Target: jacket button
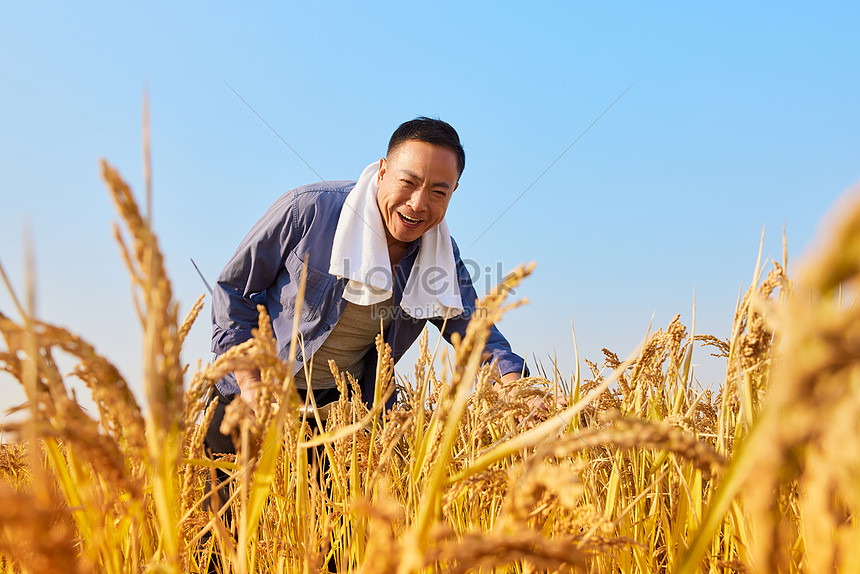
326	327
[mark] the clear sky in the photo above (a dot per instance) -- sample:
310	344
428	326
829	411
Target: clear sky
738	117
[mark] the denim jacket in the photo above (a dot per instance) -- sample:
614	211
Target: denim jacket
266	268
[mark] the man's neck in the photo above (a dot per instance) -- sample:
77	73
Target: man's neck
396	250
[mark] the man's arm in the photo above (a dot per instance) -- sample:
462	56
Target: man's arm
249	383
252	269
510	364
510	378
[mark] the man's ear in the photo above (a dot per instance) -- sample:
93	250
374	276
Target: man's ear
456	185
383	165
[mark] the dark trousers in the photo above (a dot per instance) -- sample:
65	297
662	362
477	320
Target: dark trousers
216	443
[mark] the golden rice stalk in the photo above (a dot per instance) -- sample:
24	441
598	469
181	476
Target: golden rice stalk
188	322
500	549
797	466
384	513
163	368
118	409
813	407
13	464
62	416
197	396
631	433
38	534
195	451
468	358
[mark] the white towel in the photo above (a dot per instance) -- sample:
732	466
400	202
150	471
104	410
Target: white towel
360	254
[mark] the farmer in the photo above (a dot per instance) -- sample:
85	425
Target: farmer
379	256
378	251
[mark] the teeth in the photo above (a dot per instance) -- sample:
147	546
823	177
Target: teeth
409	219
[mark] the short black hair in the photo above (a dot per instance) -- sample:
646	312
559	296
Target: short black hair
432	131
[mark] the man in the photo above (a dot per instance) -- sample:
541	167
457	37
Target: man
378	254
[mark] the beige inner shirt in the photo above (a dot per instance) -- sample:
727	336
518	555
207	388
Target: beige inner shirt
348	342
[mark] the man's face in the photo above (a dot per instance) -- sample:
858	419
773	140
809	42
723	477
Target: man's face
415	186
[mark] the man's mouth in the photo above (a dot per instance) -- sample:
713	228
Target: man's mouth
408	220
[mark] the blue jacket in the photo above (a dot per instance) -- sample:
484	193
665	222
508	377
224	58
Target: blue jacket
266	269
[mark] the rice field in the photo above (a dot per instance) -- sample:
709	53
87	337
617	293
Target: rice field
642	472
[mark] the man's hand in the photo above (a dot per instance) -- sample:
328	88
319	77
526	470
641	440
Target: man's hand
510	378
249	385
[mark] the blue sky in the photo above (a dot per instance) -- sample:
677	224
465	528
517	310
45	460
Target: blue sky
738	117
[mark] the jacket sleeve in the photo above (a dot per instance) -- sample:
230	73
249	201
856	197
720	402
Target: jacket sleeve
252	269
496	345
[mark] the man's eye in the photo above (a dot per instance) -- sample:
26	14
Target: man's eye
406	183
439	193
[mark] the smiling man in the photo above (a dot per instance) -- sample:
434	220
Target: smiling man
415	188
379	256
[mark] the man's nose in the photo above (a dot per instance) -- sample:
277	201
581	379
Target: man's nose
418	200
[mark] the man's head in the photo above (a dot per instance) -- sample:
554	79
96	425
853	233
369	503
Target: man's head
428	130
418	176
